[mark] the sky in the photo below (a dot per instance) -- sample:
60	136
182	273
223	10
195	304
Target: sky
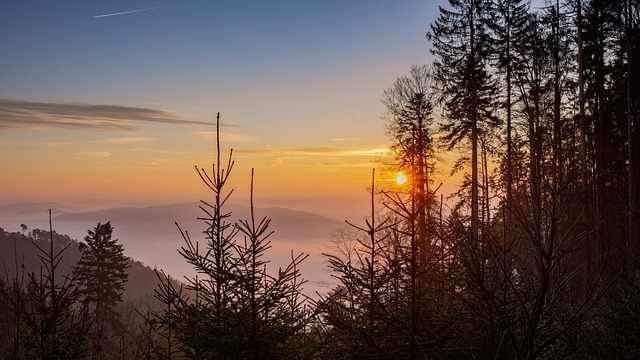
112	102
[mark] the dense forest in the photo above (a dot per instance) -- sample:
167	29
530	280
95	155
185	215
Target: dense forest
534	257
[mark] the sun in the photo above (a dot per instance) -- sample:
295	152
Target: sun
401	178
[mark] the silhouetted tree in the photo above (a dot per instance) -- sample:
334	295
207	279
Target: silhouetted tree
240	309
468	89
409	121
45	318
102	273
267	307
385	303
632	56
508	20
358	309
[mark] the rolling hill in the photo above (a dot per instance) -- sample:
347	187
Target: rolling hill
150	234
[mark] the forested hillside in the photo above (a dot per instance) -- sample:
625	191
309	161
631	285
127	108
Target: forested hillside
19	256
44	308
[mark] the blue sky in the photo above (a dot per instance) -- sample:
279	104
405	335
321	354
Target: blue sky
298	84
62	50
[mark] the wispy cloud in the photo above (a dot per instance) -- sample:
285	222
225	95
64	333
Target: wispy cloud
58	143
317	151
28	143
127	140
347	139
32	114
93	154
224	137
161	151
328	157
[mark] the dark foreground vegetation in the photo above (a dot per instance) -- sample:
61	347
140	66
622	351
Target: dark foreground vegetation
535	257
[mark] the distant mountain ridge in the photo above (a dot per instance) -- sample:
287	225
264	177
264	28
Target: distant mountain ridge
288	224
35	209
183	213
149	234
192	209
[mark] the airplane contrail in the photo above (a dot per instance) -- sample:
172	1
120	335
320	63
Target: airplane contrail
129	12
140	10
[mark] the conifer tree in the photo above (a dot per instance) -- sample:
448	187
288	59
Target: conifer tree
508	21
102	273
239	310
632	41
459	38
41	315
264	311
359	310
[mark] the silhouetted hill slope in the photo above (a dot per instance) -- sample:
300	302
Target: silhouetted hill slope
19	256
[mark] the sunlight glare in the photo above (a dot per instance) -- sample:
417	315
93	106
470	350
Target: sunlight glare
401	178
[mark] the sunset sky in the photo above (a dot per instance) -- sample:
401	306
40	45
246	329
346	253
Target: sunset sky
112	103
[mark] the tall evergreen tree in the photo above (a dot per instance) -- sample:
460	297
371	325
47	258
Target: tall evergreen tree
459	38
102	273
508	21
606	115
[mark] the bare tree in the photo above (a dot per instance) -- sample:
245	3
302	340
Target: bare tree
410	120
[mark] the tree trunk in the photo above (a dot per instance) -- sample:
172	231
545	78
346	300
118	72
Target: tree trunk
632	140
474	131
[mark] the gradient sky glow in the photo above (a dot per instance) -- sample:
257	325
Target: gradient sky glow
109	103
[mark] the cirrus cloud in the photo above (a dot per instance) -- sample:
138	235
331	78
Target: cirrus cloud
319	151
93	154
224	137
21	114
128	140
